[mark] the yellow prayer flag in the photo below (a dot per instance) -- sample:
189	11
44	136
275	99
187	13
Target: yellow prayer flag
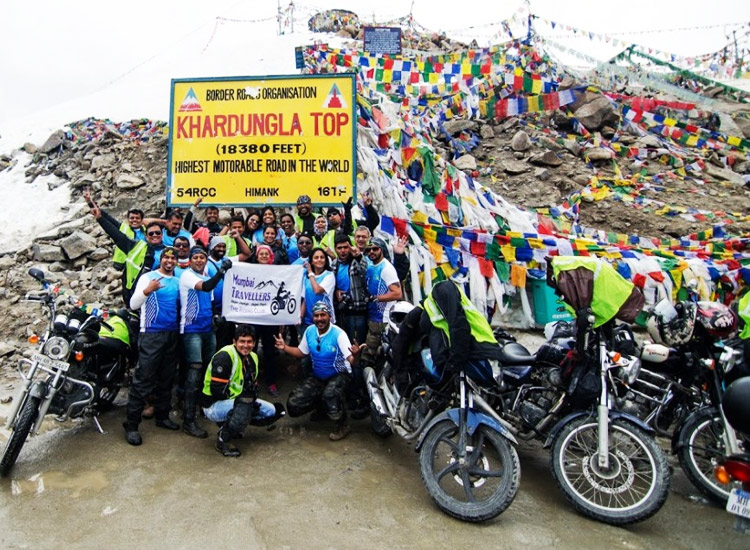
509	253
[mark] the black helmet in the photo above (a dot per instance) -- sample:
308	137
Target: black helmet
736	404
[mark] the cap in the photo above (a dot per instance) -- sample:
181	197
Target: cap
322	306
197	250
333	210
215	242
303	199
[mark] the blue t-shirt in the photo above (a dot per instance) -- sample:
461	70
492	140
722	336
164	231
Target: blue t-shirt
196	314
378	278
160	311
169	240
343	282
327	281
290	245
328	351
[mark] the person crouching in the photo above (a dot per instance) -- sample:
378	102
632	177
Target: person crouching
230	391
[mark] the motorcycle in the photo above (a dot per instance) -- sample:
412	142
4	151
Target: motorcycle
735	469
78	369
678	390
285	300
467	460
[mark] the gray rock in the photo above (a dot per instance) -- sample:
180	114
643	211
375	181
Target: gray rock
7	261
465	162
744	125
6	349
542	174
47	253
520	141
648	141
597	113
103	161
598	153
514	167
724	174
548	158
573	146
99	254
518	155
53	142
129	181
487	132
78	244
456	125
57	267
30	148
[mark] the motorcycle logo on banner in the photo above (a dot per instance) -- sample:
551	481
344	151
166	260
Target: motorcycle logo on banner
263	294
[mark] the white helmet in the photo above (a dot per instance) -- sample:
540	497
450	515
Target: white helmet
675	331
397	313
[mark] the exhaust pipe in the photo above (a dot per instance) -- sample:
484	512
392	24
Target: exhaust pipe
376	397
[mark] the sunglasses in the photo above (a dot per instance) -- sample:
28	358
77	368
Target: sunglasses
181	245
153	233
318	344
371	248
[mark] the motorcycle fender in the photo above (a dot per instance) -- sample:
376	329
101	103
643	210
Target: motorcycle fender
677	441
613	415
38	389
474	419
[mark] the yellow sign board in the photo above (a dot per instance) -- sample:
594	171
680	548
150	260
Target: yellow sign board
262	140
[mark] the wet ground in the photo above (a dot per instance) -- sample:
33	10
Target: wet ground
293	488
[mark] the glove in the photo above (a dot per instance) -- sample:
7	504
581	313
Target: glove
226	265
348	204
372	298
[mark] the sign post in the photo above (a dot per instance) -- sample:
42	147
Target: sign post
262	140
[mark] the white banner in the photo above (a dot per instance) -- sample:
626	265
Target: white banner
263	294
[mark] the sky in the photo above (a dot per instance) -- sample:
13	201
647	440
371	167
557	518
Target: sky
73	60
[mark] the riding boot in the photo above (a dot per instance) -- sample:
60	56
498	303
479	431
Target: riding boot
224	444
342	429
239	418
190	424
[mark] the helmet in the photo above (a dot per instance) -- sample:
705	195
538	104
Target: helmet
718	319
671	328
736	404
397	313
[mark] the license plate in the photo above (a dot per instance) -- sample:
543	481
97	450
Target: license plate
49	362
739	503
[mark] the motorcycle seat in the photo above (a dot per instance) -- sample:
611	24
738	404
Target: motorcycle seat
515	354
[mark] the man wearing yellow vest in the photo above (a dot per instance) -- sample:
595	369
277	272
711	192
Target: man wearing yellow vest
230	391
457	330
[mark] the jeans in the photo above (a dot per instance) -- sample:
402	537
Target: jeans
219	411
199	347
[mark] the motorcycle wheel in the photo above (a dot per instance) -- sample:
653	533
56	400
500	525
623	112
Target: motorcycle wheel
291	305
274	307
633	488
378	424
700	448
481	488
17	438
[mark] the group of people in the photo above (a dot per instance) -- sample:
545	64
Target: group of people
172	272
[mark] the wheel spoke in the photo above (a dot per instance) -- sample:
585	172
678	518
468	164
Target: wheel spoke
449	469
467	485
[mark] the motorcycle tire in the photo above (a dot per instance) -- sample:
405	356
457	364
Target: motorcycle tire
378	424
699	449
481	488
274	307
291	305
634	487
24	422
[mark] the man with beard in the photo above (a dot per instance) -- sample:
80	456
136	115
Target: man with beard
324	390
304	221
212	220
383	288
156	294
196	327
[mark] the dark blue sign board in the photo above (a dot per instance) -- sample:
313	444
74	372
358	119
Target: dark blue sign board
385	40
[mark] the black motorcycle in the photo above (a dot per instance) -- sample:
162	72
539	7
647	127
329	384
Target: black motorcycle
679	388
466	454
75	372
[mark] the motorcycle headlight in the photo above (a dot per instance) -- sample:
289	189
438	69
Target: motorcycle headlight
56	348
630	367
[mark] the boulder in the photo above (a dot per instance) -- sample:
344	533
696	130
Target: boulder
53	142
47	253
457	125
99	254
487	132
514	167
724	174
597	114
129	181
78	244
548	158
103	161
465	162
598	153
520	141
